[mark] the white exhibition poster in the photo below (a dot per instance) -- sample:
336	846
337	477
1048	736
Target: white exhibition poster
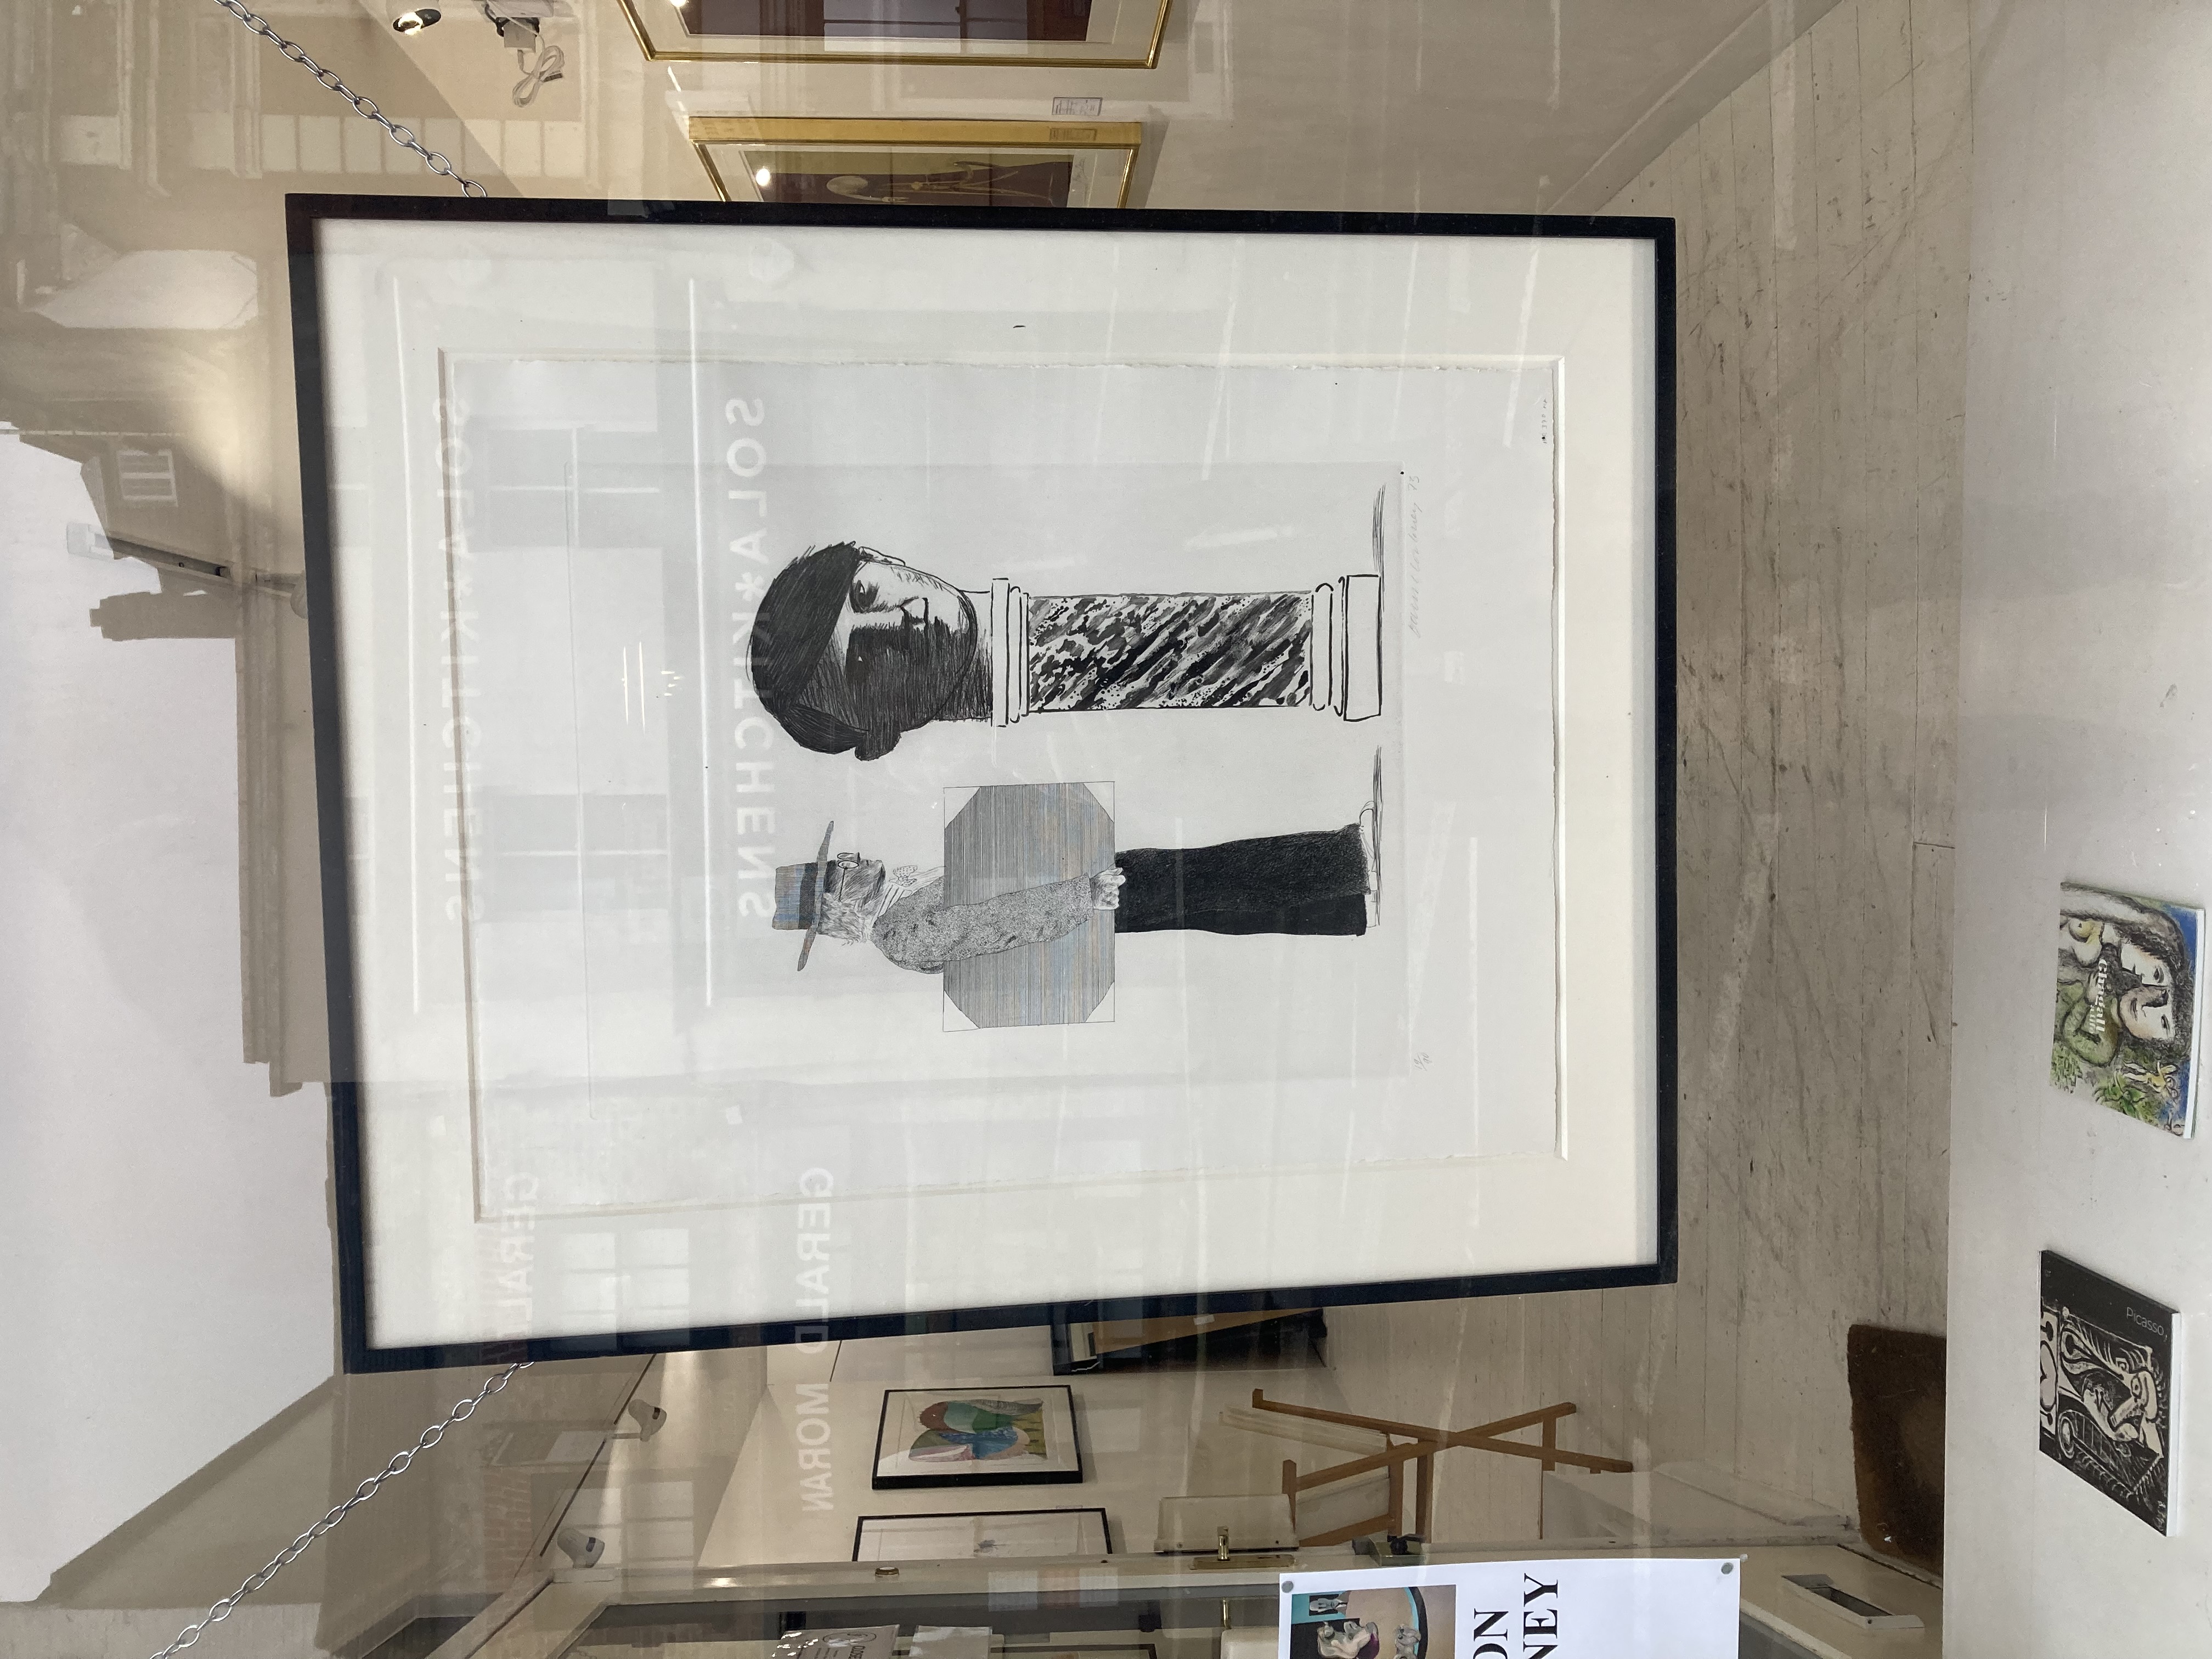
1582	1608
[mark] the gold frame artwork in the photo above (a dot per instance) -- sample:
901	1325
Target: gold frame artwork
1105	152
1134	35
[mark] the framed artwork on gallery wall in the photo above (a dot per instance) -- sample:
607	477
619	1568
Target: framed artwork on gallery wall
838	162
2129	1002
1022	1435
990	1536
973	767
2107	1400
1087	34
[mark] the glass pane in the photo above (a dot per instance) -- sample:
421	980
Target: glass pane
993	815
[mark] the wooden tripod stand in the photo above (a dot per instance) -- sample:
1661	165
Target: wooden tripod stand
1420	1450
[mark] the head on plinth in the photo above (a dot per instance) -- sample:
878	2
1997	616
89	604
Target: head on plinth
851	649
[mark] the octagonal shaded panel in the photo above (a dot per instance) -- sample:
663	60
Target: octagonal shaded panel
1004	838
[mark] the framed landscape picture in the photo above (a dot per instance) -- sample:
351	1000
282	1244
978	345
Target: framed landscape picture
983	766
1070	34
1016	1436
962	164
990	1536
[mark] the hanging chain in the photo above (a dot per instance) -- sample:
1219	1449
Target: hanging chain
368	1489
363	107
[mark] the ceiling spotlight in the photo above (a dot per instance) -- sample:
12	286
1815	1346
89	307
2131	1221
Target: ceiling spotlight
761	176
414	21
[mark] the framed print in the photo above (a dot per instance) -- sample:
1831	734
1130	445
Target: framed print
990	1536
1089	33
894	771
871	164
2106	1407
2129	1003
1014	1436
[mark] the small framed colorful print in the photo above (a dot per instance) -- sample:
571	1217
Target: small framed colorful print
986	1436
1089	33
832	162
2123	1032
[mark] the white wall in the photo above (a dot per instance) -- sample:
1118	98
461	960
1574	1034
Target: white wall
2086	709
168	1278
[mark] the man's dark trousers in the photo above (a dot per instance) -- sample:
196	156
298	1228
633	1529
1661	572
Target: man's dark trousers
1313	882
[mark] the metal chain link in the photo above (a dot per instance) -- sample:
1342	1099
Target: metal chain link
399	1464
363	107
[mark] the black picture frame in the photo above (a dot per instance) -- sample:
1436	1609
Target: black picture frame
986	1475
306	212
1105	1526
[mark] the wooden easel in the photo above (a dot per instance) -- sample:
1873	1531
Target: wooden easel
1420	1450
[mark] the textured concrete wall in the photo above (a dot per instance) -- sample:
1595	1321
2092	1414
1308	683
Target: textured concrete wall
1822	212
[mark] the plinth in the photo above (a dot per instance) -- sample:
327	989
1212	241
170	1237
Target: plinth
1076	653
